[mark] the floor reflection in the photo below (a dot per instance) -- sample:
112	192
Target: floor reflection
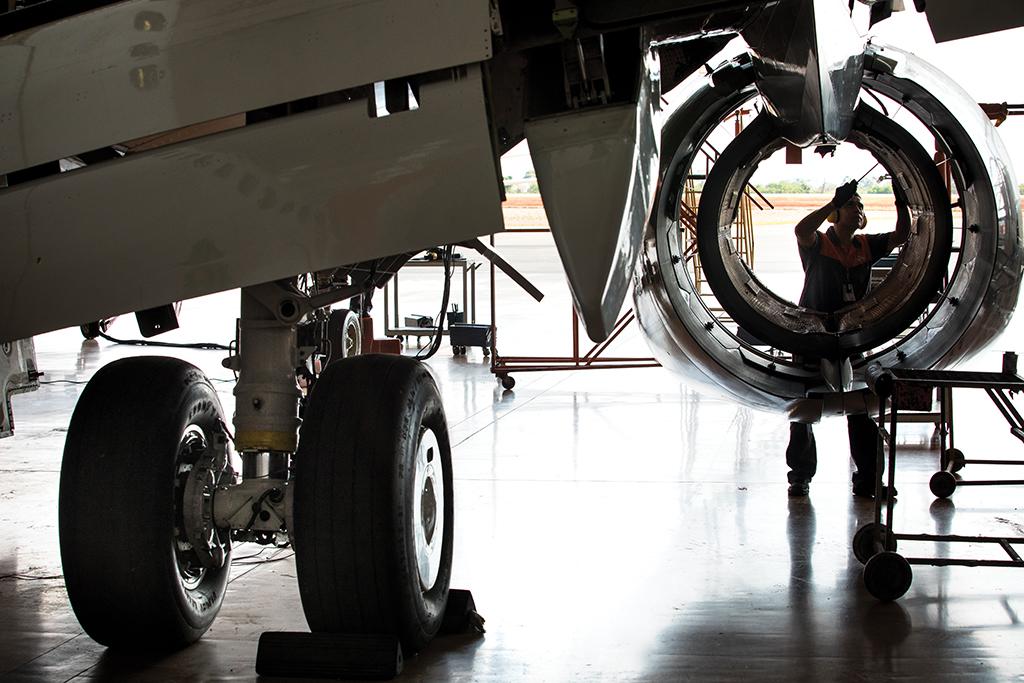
88	356
611	525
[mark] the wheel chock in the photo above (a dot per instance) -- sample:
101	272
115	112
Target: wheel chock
293	654
373	345
460	615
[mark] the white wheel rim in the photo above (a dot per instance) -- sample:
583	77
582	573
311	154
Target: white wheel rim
428	508
351	339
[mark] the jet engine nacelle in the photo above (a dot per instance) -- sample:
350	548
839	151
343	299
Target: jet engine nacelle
938	306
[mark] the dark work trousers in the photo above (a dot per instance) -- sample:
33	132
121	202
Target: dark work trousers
802	453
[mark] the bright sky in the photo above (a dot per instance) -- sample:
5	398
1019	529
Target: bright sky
988	67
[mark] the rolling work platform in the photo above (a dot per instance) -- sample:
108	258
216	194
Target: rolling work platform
888	574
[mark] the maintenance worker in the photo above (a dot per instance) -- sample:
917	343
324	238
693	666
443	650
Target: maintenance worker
837	272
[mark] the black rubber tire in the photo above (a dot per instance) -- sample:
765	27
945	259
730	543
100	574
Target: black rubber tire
942	484
354	490
508	381
888	576
864	542
118	508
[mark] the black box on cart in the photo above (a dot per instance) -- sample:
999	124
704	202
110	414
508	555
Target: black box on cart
464	334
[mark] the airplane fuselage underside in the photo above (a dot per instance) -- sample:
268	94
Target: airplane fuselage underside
157	150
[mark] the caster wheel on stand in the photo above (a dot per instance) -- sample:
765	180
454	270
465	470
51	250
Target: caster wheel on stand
942	484
888	576
955	457
864	540
507	381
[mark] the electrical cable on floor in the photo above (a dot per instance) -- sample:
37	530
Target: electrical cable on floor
258	557
30	577
435	343
248	561
201	346
85	381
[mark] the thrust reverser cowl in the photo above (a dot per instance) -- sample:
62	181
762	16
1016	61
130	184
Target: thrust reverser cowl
597	169
809	59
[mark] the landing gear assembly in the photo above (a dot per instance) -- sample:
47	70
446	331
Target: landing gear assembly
150	502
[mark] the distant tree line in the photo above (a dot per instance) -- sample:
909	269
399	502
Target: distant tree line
525	185
804	187
528	184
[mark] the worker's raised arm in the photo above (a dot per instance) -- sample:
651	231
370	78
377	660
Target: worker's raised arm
902	232
809	224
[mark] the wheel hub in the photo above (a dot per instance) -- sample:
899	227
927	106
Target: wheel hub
428	510
429	503
199	544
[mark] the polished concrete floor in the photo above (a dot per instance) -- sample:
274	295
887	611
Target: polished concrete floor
612	525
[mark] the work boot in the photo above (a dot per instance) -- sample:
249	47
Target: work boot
799	489
866	489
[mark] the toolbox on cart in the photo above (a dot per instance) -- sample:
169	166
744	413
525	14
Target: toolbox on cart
463	335
419	321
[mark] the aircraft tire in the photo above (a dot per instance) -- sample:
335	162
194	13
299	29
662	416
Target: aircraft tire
373	512
345	333
129	580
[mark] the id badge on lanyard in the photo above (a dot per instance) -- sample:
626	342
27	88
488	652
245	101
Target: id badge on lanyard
848	295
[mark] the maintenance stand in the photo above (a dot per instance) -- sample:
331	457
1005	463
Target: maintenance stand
887	574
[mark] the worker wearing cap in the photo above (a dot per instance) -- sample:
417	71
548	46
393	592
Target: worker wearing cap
837	273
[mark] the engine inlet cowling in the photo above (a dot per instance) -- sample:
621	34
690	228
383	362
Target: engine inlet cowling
938	305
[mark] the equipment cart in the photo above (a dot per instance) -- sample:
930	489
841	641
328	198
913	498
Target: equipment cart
887	574
393	326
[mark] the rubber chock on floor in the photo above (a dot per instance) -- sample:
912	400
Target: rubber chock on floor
460	615
329	655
